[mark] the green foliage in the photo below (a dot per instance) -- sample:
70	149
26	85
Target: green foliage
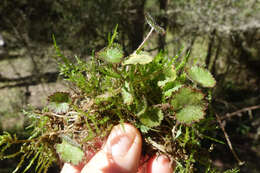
126	94
190	114
146	91
36	150
59	97
59	102
69	152
232	171
111	54
149	19
201	76
140	58
186	96
151	118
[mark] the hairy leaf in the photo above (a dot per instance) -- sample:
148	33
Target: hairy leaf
69	152
149	19
144	129
186	96
169	92
59	102
202	76
111	54
190	114
152	117
59	108
127	96
140	58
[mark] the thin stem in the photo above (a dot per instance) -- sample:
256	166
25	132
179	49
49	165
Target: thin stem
229	115
228	141
146	38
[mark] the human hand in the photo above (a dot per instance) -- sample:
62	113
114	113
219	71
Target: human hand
121	154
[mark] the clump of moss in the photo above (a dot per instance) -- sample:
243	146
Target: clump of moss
159	95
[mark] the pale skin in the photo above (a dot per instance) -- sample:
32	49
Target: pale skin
121	154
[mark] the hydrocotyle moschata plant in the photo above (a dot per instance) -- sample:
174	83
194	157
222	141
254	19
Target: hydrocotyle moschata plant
160	95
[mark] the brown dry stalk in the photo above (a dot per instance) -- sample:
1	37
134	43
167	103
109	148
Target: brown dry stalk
229	115
228	141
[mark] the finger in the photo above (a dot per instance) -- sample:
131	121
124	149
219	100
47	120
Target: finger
68	168
159	164
121	152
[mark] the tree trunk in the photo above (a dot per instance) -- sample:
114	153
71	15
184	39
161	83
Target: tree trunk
163	22
213	69
136	35
210	46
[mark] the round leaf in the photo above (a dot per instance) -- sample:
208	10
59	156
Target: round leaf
59	108
141	58
112	54
152	117
69	153
202	76
190	114
186	96
59	102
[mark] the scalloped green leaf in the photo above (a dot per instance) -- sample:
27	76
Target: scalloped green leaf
152	117
187	96
112	54
140	58
127	96
149	19
169	92
163	82
58	108
59	102
190	114
144	129
69	153
201	76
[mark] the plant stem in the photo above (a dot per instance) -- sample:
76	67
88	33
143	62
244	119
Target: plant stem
146	38
240	163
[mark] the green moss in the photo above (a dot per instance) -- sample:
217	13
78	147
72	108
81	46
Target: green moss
143	90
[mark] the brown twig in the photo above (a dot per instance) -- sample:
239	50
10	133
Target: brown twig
229	115
228	141
146	38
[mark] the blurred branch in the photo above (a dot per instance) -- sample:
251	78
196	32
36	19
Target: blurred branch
238	112
240	163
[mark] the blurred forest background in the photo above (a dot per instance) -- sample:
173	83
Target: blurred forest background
222	35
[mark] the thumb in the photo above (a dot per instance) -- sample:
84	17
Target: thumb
121	152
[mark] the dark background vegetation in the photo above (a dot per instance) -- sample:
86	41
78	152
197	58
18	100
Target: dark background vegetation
222	35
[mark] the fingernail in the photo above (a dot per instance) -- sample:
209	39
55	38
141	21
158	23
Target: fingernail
120	140
121	145
163	159
160	164
124	146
